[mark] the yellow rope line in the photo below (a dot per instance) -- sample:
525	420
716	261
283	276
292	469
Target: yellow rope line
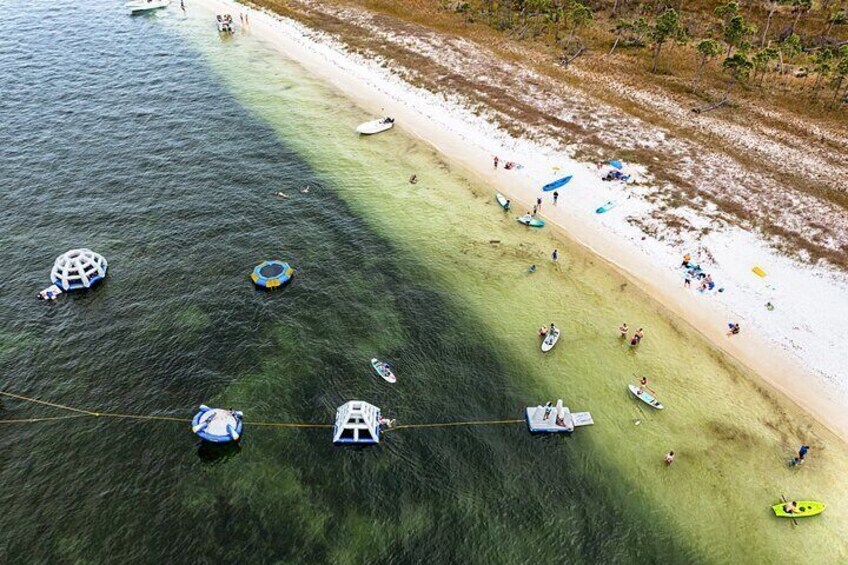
453	424
287	425
81	413
45	403
51	419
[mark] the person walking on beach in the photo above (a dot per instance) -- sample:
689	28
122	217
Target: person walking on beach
556	196
802	454
669	458
555	255
496	161
687	282
539	203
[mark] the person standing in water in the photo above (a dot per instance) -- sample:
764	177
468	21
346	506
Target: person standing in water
555	256
556	196
669	458
622	329
802	454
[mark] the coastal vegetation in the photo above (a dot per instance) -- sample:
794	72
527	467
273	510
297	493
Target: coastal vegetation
773	49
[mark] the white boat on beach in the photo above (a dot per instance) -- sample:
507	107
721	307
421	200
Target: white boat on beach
375	126
140	6
225	23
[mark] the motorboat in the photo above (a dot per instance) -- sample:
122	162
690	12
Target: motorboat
225	23
141	6
375	126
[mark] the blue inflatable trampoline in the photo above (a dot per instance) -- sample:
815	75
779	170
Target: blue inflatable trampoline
217	425
271	274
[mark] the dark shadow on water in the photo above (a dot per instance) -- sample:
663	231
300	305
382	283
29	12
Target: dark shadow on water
213	453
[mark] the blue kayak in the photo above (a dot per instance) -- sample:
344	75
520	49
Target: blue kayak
556	184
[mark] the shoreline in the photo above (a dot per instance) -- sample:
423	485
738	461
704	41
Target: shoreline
448	131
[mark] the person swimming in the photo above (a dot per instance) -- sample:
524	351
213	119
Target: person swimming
543	331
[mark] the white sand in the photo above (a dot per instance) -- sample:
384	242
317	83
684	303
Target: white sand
795	347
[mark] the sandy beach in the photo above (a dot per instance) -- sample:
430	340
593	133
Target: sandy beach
793	347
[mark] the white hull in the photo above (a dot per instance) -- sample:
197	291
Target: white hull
375	126
145	6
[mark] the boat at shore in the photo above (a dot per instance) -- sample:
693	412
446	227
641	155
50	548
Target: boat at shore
141	6
557	184
375	126
225	23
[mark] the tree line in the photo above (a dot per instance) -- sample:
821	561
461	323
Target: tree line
738	43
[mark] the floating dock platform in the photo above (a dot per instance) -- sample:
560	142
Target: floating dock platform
555	419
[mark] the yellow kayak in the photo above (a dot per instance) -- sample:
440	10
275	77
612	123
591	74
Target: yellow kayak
804	508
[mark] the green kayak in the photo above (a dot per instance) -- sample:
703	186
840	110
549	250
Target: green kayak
803	508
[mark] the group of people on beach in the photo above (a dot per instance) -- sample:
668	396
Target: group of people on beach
694	272
623	330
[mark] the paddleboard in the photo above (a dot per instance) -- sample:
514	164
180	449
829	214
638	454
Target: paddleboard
528	220
550	340
606	207
557	184
501	200
375	126
805	508
645	397
383	370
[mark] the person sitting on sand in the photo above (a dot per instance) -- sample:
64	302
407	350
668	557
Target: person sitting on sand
622	329
669	458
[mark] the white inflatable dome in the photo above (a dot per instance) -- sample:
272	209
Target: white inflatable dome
78	268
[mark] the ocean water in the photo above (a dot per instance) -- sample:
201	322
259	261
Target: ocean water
160	144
